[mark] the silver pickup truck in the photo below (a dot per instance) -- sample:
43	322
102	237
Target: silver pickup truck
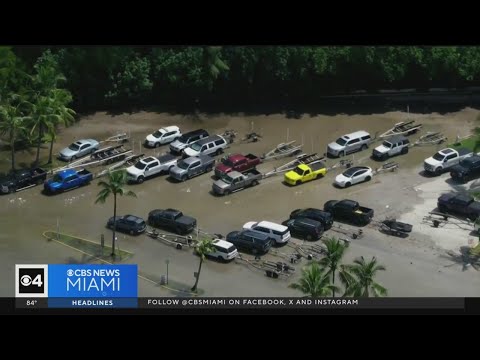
235	181
192	166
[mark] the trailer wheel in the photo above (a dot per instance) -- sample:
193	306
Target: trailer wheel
178	246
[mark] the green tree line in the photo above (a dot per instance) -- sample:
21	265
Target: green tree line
190	77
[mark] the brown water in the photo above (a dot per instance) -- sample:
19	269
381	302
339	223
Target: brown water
24	216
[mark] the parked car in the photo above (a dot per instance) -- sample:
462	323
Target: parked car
354	175
212	145
22	179
79	149
251	241
173	220
129	224
237	162
303	173
395	145
468	169
304	228
350	211
324	217
150	166
461	204
445	159
278	233
191	167
187	139
349	143
67	179
235	181
224	250
163	136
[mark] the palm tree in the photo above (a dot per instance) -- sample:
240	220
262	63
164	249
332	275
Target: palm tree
314	282
213	64
114	186
203	248
62	116
359	278
12	124
334	254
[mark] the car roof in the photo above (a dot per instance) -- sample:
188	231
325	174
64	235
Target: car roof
272	225
168	129
208	139
356	134
222	243
354	169
64	173
256	234
195	132
85	141
133	218
148	159
303	167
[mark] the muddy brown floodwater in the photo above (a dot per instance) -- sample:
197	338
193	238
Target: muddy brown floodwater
415	266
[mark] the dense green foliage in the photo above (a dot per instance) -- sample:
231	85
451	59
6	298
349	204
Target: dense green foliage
247	76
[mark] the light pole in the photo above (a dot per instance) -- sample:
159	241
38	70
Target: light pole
167	262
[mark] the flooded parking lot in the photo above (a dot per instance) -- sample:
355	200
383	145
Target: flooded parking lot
415	266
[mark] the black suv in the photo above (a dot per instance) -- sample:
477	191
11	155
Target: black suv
321	216
130	224
304	228
252	241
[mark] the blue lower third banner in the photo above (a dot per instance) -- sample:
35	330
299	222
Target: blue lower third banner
96	286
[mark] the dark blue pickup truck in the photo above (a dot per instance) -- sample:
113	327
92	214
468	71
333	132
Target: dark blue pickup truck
67	179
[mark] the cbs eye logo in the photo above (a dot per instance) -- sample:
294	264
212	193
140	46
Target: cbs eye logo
31	281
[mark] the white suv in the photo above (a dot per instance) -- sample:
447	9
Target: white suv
279	233
163	136
224	250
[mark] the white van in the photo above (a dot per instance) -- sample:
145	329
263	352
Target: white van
279	233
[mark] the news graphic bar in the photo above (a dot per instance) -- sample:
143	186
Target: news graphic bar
76	286
301	303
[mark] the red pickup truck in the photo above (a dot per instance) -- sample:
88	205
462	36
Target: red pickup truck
237	162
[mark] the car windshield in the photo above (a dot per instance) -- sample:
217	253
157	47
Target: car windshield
57	178
227	179
74	147
228	162
341	141
182	165
195	147
157	134
387	144
140	165
438	157
298	171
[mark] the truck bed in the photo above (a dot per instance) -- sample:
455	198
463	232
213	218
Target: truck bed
166	158
252	157
83	172
317	165
464	151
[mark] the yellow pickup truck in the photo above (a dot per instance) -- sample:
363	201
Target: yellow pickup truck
303	173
